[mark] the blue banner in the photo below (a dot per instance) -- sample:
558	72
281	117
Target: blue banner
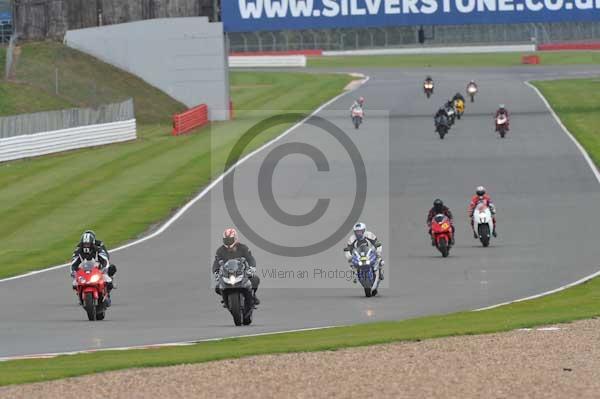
257	15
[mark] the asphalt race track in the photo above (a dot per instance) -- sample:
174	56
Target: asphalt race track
546	194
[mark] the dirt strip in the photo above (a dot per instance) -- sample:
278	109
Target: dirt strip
547	363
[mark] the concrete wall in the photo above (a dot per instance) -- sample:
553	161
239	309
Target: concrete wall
184	57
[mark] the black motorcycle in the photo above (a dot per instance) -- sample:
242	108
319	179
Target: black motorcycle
442	126
236	290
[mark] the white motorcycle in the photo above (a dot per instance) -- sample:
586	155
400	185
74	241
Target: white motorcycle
357	117
483	222
501	121
471	91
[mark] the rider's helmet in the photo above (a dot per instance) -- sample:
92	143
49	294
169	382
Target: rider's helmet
472	82
502	108
438	205
361	100
428	78
359	230
457	95
88	243
480	191
230	238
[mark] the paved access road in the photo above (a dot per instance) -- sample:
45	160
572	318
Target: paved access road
546	195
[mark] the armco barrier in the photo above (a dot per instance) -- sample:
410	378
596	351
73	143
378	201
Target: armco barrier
33	145
261	61
569	46
190	119
530	59
308	53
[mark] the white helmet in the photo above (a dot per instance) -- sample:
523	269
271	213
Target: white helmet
359	230
480	191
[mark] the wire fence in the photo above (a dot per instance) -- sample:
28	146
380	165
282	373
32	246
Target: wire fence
18	125
401	36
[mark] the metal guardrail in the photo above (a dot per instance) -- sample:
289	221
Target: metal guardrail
33	145
26	124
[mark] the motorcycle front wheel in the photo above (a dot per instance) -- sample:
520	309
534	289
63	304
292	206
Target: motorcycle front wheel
235	307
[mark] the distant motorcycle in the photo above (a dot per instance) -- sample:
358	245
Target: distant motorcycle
428	88
501	125
91	290
366	265
459	106
451	113
357	117
471	91
236	290
483	222
441	127
441	231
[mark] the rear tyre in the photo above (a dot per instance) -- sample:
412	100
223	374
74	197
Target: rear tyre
472	99
443	247
235	308
459	116
484	234
368	293
502	133
428	94
88	305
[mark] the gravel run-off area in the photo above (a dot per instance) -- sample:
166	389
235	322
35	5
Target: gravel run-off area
561	361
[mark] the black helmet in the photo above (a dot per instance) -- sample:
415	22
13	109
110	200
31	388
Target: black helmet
88	242
438	205
480	191
428	78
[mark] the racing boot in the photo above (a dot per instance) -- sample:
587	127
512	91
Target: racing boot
381	264
256	300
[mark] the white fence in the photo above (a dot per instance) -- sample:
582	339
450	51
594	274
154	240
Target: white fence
267	61
33	145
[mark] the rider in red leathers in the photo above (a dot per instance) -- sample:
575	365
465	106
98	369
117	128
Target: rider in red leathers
482	195
502	111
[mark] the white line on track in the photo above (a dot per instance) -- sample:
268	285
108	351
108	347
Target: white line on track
156	346
590	163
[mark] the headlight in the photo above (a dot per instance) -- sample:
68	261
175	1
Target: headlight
95	278
81	280
232	279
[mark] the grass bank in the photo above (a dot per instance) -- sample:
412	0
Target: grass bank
577	102
454	60
121	190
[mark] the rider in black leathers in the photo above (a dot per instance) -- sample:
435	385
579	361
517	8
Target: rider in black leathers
233	249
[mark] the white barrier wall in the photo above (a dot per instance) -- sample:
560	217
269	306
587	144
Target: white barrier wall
437	50
33	145
184	57
267	61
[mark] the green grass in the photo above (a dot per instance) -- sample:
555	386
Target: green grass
576	303
85	81
121	190
454	60
23	99
577	102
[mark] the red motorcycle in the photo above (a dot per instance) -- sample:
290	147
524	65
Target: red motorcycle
441	230
91	290
502	125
